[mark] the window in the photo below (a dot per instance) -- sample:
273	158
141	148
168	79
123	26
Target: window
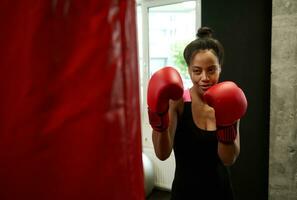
171	27
164	29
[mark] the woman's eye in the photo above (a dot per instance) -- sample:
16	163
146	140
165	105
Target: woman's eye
197	71
212	70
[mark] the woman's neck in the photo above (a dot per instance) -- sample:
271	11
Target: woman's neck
197	96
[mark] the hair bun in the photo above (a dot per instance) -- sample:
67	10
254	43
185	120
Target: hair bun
204	32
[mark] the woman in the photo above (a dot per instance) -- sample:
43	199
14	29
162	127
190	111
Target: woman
189	125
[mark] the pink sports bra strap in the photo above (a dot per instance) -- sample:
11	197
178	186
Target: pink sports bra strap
187	96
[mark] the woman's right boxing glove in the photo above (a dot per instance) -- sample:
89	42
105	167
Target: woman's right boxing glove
164	84
230	104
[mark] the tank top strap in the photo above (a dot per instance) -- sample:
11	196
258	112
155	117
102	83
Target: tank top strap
187	96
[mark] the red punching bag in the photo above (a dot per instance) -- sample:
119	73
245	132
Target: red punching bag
69	106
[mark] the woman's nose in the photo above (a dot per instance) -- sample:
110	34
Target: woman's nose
204	75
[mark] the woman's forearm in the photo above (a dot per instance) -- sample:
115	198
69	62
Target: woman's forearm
228	153
162	144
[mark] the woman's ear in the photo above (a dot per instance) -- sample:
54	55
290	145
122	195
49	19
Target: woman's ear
189	71
220	69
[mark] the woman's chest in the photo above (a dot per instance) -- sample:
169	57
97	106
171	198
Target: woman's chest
203	117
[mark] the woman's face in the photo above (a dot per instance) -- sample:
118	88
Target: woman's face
204	70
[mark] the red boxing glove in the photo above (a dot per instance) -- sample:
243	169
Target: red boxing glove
165	84
230	104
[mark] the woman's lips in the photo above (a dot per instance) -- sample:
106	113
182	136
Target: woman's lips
205	87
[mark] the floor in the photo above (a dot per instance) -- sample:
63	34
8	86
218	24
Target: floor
159	195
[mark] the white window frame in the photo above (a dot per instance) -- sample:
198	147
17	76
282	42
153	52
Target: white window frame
145	6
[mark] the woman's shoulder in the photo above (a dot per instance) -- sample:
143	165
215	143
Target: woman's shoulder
187	96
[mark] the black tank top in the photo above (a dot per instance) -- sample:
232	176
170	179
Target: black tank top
199	173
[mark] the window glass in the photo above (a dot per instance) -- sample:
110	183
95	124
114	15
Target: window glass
171	28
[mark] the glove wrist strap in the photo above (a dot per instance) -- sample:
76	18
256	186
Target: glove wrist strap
227	134
158	121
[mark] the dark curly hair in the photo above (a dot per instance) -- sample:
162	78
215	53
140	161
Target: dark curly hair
204	41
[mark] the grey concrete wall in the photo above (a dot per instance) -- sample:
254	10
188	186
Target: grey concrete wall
283	112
